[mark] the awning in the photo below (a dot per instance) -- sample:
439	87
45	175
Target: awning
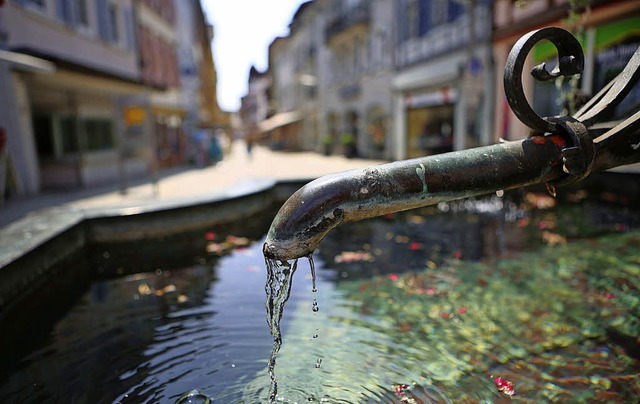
278	120
27	63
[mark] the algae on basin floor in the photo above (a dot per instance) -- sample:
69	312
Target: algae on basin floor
560	324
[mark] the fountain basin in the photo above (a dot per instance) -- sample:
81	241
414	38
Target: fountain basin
30	247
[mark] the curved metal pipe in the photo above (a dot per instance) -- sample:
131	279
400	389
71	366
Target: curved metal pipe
316	208
310	213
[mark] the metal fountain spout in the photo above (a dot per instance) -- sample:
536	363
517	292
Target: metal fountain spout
559	150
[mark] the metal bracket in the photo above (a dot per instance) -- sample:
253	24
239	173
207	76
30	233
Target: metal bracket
578	158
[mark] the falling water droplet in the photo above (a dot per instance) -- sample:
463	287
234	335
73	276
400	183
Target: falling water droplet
313	274
318	363
314	289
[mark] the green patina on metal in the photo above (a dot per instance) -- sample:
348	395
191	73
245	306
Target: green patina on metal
421	174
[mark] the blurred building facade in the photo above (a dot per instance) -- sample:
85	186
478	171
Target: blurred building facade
91	90
61	132
254	106
407	78
356	72
331	88
283	121
156	28
393	79
443	79
293	70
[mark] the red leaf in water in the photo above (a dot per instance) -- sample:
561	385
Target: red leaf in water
400	388
462	310
457	254
415	246
427	291
393	277
608	295
210	235
546	224
504	386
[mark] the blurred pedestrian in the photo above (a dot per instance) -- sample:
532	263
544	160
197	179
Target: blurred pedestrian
215	151
249	143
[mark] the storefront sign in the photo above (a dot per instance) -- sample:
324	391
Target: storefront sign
134	116
443	96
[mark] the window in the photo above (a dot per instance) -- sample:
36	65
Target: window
99	134
37	6
43	132
440	11
113	23
36	3
413	18
128	24
57	135
68	135
80	14
456	9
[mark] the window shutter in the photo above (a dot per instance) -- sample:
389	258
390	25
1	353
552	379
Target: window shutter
424	23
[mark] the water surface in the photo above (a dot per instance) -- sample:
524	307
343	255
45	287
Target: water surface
432	305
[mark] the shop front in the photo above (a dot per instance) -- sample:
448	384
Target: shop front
430	122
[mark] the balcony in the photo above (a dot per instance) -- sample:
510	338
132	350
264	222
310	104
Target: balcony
348	20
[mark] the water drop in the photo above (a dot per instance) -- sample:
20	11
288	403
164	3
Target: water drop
194	397
318	363
314	306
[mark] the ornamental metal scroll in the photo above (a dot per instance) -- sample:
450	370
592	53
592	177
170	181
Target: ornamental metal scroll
580	156
570	62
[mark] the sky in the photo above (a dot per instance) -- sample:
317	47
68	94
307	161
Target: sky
243	30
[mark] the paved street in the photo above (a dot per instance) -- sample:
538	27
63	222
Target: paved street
182	184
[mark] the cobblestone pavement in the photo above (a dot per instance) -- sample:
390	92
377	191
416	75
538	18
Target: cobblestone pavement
236	169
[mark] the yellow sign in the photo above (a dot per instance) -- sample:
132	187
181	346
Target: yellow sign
134	116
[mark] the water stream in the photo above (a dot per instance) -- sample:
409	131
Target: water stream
278	289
